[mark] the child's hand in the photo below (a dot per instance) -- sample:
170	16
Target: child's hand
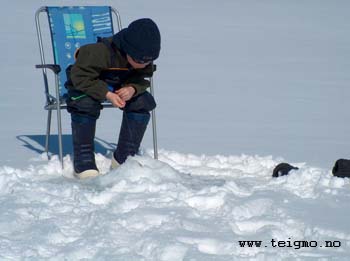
115	100
126	93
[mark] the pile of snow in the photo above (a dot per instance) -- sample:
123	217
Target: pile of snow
182	207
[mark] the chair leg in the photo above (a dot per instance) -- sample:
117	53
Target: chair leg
59	123
154	125
59	129
154	128
48	129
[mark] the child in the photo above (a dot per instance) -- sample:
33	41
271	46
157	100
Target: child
115	69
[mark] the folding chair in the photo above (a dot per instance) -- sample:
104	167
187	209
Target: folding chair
70	28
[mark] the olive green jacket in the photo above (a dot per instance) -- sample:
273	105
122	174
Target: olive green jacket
92	60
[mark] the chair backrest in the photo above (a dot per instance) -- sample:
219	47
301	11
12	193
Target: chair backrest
74	26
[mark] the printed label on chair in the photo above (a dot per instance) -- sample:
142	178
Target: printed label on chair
74	25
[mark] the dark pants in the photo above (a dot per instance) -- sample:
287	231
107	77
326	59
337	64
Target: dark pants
85	111
90	108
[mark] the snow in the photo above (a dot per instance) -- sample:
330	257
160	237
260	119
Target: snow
241	87
156	210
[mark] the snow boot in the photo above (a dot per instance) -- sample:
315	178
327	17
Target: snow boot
133	128
83	134
114	163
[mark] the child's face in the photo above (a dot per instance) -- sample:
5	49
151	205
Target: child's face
136	65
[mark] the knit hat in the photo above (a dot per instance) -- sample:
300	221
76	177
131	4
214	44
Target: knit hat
140	40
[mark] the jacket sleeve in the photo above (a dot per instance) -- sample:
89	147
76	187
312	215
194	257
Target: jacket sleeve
138	81
86	71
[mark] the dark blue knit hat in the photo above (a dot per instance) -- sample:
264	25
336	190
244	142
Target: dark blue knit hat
140	40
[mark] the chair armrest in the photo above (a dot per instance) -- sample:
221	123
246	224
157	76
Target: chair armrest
54	67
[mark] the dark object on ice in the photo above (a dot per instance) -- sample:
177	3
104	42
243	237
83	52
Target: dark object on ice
341	168
282	169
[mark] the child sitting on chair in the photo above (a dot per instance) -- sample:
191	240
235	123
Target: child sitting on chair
115	69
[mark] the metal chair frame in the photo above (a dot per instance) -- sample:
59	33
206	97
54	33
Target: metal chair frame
57	103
